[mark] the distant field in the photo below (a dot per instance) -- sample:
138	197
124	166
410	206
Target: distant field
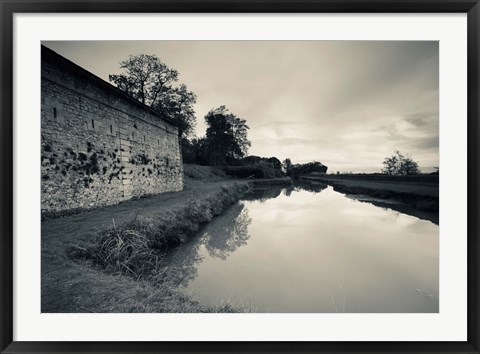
423	178
414	187
418	186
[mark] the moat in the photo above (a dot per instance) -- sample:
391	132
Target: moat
307	248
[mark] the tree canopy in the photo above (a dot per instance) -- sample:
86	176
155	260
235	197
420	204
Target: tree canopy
399	164
307	168
150	81
226	137
287	166
253	160
299	169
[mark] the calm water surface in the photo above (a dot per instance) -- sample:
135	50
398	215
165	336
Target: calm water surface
310	249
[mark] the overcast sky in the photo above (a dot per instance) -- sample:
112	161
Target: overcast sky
346	104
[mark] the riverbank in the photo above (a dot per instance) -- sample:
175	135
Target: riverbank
279	182
136	248
75	280
412	195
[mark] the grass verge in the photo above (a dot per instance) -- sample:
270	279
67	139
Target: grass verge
137	247
420	202
85	289
85	286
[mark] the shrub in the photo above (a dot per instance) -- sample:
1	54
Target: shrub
252	172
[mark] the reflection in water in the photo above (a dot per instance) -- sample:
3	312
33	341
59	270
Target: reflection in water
261	194
311	186
181	265
396	207
228	233
297	250
225	235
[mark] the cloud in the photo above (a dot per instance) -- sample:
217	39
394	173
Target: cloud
347	104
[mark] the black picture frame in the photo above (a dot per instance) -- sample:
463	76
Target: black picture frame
10	7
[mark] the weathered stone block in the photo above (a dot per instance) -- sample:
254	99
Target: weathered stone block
88	156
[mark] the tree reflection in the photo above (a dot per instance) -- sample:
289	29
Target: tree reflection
229	232
262	193
180	266
288	191
310	186
221	237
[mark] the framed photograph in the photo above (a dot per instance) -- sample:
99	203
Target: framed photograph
239	176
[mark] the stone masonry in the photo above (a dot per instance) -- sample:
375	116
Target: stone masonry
100	146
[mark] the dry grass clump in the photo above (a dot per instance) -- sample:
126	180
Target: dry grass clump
137	247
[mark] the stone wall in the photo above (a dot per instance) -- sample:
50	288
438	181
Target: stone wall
100	146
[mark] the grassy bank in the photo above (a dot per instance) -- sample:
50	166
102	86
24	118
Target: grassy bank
284	182
252	172
109	259
412	196
77	287
381	177
418	193
413	200
137	247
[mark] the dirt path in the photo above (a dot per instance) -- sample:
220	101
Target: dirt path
86	225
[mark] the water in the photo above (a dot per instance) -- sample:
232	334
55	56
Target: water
311	249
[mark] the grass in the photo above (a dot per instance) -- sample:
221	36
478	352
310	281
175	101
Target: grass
284	181
85	289
196	174
421	202
420	178
252	172
80	277
110	259
137	247
47	215
416	194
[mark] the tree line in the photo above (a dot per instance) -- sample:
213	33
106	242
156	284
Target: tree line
147	79
225	143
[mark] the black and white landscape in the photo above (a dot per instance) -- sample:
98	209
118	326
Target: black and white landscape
240	176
